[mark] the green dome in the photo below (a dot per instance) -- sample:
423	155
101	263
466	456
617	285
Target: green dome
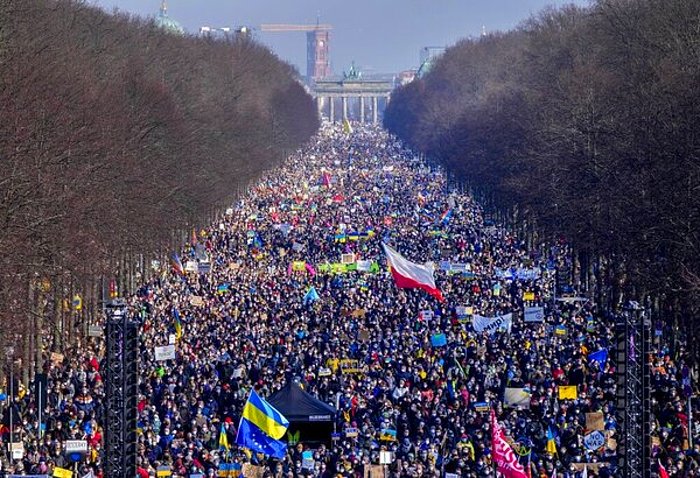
166	23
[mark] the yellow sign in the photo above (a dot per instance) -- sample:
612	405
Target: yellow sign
298	266
568	392
350	366
528	296
62	473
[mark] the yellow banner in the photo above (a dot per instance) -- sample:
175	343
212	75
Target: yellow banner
568	392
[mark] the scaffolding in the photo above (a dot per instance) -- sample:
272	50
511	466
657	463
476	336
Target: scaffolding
633	382
121	382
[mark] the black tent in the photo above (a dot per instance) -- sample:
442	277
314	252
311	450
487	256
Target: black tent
307	415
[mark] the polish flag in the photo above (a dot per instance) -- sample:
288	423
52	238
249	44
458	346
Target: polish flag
662	471
410	275
506	462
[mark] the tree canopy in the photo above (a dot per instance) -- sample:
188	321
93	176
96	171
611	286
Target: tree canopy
587	121
117	138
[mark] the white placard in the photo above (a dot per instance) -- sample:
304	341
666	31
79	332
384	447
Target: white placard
492	324
386	457
95	331
165	352
534	314
76	446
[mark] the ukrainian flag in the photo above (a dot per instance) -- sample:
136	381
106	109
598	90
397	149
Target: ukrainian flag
264	416
551	443
223	439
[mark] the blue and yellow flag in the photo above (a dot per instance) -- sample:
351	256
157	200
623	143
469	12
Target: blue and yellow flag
551	443
223	439
178	324
264	416
252	437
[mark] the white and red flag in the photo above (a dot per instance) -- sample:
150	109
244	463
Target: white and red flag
506	463
662	471
410	275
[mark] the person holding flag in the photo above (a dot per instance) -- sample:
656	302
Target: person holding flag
176	264
261	427
178	324
504	459
223	440
410	275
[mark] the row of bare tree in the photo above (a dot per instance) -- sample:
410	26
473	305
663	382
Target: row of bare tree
117	138
582	123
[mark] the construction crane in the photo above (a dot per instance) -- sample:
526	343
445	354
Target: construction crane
318	64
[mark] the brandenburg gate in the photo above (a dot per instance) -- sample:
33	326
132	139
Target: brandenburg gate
372	95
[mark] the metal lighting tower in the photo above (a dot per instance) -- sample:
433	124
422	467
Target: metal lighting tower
121	382
633	381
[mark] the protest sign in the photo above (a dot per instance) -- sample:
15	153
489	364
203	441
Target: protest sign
534	314
165	352
568	392
594	440
492	324
595	421
517	397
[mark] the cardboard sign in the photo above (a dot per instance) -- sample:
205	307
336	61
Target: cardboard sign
196	301
165	352
595	421
347	258
374	471
57	358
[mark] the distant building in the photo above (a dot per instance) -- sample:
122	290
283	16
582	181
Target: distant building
163	21
406	77
318	62
427	57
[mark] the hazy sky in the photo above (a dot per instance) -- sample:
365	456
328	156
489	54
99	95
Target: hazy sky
382	36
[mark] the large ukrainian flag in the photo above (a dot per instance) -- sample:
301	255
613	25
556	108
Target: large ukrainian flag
264	416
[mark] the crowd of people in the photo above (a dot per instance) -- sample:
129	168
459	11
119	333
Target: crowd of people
423	380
